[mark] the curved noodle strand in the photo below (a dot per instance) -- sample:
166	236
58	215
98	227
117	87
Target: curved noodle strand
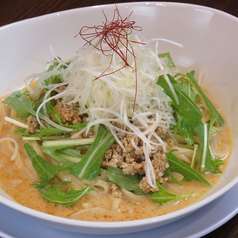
15	148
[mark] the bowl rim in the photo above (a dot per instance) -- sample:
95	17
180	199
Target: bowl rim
155	3
117	224
121	224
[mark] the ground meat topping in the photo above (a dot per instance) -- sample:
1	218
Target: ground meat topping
32	124
131	160
145	187
68	115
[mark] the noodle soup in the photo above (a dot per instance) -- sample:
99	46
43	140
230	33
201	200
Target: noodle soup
113	134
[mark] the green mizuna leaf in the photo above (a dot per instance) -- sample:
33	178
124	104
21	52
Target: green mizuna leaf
72	155
207	161
218	162
184	85
56	78
49	130
128	182
89	166
214	113
167	55
21	103
176	165
53	133
189	117
58	156
186	111
55	195
45	170
163	196
184	129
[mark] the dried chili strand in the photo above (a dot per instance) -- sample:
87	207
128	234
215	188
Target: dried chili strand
111	38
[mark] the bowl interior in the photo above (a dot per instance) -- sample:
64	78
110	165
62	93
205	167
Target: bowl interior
209	38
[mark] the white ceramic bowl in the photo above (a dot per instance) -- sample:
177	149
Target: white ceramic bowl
210	47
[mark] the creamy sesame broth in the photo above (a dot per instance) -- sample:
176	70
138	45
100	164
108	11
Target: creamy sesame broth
126	139
18	185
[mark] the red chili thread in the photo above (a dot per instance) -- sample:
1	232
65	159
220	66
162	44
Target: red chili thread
115	35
